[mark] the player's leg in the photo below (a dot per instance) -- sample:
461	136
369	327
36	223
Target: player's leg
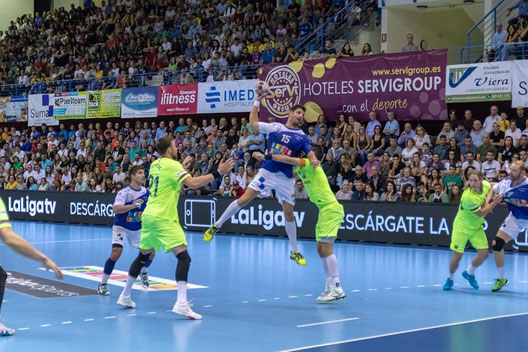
4	331
143	275
498	245
182	306
479	241
291	230
231	210
459	239
133	273
117	250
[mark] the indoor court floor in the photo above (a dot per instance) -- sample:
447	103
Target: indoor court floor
254	298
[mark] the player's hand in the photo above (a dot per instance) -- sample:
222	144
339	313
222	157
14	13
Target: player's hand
315	164
226	166
138	203
50	265
258	155
497	199
187	161
259	97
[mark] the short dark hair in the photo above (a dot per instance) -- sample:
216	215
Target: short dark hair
134	170
163	144
295	107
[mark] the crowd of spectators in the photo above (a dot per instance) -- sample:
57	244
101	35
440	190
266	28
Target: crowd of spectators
388	161
184	40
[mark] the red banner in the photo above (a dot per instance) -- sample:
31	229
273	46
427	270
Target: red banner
178	100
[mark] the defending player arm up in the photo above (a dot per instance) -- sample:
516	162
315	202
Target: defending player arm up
253	115
488	207
21	246
197	182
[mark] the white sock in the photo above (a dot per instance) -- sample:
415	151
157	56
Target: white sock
128	287
291	230
471	269
501	272
451	275
327	275
182	292
105	278
144	270
231	210
331	261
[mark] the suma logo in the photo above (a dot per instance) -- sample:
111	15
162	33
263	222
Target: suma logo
284	90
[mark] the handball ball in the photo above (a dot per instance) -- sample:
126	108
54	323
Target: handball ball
261	87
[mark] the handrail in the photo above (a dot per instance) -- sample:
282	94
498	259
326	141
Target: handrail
522	49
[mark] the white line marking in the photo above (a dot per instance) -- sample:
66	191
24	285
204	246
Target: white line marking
22	329
404	286
244	302
45	325
276	298
169	310
372	289
388	288
111	317
66	322
437	285
523	282
208	306
405	332
68	241
134	314
327	322
456	284
262	300
151	313
292	296
308	295
488	283
420	286
91	319
356	290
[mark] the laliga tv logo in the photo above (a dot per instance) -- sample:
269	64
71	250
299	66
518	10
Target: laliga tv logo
284	90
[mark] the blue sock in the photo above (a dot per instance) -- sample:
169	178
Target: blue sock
108	268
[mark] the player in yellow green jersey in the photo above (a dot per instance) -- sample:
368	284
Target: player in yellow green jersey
161	227
474	206
21	246
329	220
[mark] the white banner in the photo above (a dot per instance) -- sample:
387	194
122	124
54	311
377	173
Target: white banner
226	96
520	84
481	82
40	110
70	105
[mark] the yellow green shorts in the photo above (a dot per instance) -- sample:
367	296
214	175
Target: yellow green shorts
159	233
328	222
460	237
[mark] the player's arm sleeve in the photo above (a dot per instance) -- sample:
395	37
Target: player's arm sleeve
181	173
4	217
120	198
496	188
265	127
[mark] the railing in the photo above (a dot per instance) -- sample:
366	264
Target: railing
129	81
482	32
507	51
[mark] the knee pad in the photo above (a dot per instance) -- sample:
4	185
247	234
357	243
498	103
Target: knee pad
182	269
498	244
137	264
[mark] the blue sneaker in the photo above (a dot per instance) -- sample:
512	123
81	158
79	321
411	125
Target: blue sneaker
448	284
471	279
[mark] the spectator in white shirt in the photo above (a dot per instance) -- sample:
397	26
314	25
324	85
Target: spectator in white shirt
470	161
515	133
492	118
299	190
39	174
81	151
491	167
119	175
477	133
345	193
447	131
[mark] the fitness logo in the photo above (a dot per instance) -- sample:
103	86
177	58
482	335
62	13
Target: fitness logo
284	90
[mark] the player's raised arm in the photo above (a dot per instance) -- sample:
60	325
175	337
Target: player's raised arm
280	158
253	115
197	182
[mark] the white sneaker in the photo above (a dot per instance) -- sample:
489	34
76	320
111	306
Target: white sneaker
5	331
126	301
185	310
335	294
326	291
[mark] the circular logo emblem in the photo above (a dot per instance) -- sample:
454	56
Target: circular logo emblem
284	90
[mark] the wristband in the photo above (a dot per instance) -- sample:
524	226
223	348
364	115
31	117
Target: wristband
256	103
216	174
268	157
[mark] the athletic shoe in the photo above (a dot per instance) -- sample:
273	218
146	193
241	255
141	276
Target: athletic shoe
144	280
209	234
499	284
5	331
186	311
326	291
448	285
298	258
334	294
102	289
126	301
471	279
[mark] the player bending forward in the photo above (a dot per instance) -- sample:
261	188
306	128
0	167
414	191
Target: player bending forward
21	246
129	203
275	175
514	191
474	206
160	223
329	220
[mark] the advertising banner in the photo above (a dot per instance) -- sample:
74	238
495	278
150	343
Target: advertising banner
13	109
178	100
226	96
40	110
70	105
412	85
139	102
520	84
103	104
479	82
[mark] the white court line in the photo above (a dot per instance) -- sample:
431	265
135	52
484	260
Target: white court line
488	283
66	322
208	306
372	289
91	319
132	315
150	313
111	317
356	290
308	295
388	288
404	286
420	286
405	332
327	322
523	282
68	241
22	329
276	298
437	285
262	300
244	302
292	296
45	325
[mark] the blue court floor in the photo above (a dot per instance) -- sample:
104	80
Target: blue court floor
257	299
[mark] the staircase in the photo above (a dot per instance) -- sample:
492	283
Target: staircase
339	29
479	37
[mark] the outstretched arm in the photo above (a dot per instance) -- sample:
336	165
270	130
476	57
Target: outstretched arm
281	158
253	115
197	182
